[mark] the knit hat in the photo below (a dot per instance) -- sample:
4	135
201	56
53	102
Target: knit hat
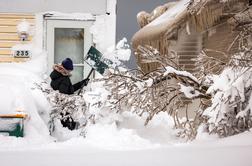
67	64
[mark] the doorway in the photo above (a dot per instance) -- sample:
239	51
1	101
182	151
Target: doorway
69	38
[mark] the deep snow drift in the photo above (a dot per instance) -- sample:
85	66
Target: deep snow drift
115	140
19	93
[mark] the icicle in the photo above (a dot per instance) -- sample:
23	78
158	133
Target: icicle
188	31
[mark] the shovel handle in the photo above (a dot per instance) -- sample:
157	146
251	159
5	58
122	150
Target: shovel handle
86	78
90	73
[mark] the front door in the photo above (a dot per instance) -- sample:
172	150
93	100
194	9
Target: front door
68	38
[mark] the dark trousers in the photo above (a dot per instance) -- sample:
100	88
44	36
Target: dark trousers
67	121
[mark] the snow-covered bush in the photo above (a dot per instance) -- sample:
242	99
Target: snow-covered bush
230	112
65	106
225	98
162	90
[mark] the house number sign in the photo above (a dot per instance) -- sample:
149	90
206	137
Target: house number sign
22	53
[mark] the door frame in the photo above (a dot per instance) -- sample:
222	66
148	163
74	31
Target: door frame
51	24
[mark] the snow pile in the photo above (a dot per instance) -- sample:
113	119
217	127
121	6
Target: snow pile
28	72
230	151
109	137
126	133
112	59
120	54
16	84
123	50
96	96
114	130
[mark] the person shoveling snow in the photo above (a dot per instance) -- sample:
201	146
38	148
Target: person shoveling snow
60	77
61	81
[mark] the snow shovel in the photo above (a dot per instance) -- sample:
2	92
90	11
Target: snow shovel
95	59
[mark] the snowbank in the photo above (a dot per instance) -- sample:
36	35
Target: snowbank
232	151
113	132
17	93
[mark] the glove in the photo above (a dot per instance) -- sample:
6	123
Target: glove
85	81
80	84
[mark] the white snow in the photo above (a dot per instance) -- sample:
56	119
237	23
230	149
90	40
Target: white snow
171	13
8	124
230	151
73	16
102	31
23	26
171	70
123	50
22	47
114	57
117	139
188	91
119	54
16	81
227	90
122	142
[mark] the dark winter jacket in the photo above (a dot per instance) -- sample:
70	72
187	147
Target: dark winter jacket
61	81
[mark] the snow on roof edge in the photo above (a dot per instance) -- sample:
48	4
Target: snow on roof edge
156	30
170	13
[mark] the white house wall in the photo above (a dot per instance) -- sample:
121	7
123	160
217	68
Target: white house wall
103	13
68	6
104	28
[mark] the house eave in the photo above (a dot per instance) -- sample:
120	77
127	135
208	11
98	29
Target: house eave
155	32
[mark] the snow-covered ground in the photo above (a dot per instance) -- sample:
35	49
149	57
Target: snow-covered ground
124	142
232	151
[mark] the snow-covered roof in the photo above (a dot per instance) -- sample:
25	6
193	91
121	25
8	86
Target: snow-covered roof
171	13
205	13
159	26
